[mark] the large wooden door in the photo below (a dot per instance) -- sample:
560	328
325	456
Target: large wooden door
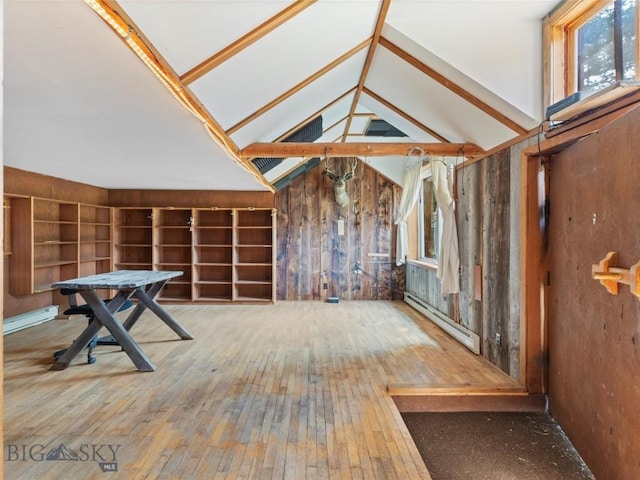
594	337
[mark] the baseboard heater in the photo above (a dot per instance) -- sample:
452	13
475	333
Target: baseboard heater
463	335
29	319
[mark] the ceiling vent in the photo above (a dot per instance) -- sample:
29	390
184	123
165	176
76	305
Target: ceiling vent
307	133
381	128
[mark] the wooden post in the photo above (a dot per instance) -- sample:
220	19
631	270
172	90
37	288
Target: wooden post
533	352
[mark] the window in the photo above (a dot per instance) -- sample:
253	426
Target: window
592	45
605	47
428	222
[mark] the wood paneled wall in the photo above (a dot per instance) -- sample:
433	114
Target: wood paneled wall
594	337
423	282
311	253
21	182
488	217
191	198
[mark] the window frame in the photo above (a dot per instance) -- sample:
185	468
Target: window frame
560	49
426	174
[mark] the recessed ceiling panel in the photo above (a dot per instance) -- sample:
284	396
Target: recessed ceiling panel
432	104
284	58
304	103
414	132
359	125
188	32
493	42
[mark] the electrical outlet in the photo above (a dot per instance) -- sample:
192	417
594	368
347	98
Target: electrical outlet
498	338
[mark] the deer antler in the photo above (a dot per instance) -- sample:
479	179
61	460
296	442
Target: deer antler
352	169
330	173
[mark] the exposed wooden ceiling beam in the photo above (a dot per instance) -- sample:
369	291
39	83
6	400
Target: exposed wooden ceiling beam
298	87
111	11
458	90
404	115
335	123
245	41
295	149
384	8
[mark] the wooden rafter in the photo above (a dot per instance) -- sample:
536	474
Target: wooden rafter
384	8
298	149
115	16
245	41
404	115
458	90
298	87
335	123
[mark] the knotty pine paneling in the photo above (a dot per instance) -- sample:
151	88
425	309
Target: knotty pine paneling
311	253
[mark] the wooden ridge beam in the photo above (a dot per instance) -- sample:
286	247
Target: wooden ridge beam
300	149
245	41
384	8
457	89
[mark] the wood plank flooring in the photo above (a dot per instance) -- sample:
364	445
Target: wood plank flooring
295	390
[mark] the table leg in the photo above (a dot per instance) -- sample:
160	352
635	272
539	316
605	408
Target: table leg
152	292
106	317
114	306
148	301
78	345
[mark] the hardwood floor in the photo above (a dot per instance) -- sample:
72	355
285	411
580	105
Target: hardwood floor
295	390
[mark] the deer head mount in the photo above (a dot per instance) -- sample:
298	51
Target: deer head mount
340	181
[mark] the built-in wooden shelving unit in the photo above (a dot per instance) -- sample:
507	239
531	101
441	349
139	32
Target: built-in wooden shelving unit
54	240
225	254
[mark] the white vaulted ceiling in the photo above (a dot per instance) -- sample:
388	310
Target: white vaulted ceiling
80	104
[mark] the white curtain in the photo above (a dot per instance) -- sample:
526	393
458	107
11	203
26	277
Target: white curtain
410	194
448	256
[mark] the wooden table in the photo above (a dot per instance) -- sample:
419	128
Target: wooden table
140	284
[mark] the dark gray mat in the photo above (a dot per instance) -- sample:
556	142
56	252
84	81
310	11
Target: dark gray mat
495	446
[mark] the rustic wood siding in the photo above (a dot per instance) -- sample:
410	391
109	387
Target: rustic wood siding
423	283
310	249
488	219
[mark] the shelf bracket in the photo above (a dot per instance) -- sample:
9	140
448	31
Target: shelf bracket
611	276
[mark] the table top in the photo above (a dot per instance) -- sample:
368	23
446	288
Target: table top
118	279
